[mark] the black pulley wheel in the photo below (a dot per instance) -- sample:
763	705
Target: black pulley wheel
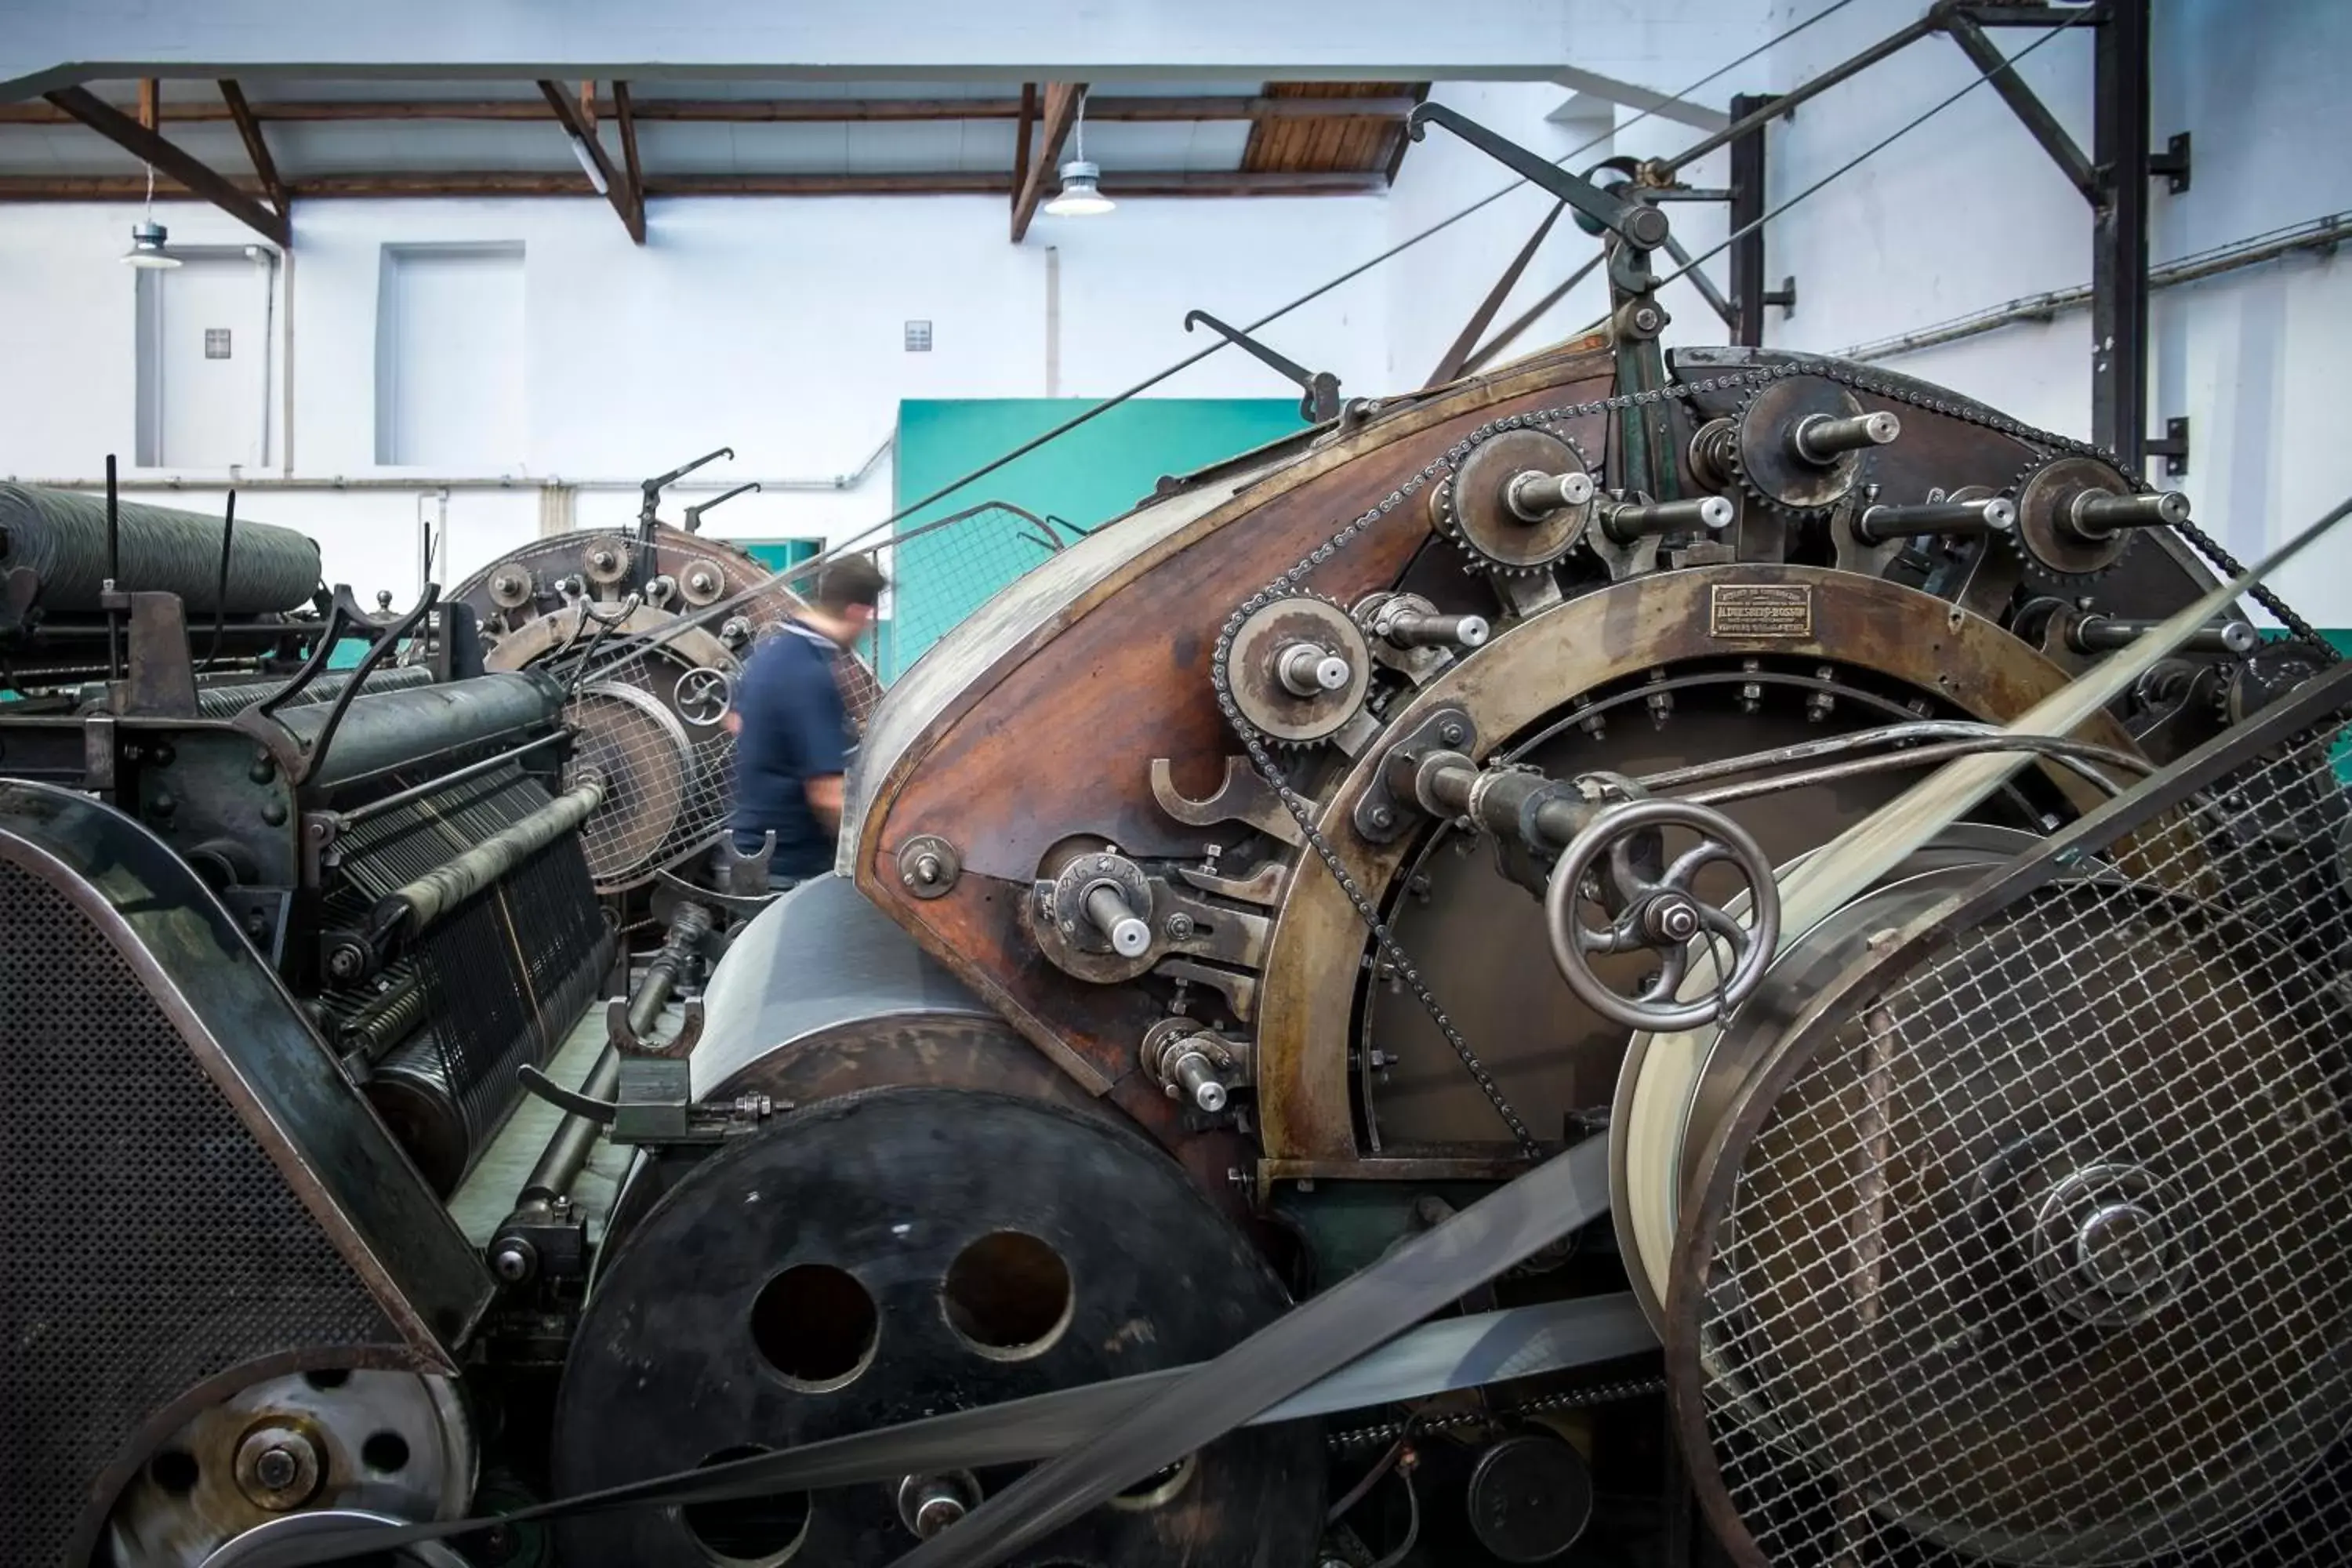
894	1254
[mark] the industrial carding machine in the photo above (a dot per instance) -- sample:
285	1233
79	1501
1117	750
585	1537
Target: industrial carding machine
278	939
674	614
1726	944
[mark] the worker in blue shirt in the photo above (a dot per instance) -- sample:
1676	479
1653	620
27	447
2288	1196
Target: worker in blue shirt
792	733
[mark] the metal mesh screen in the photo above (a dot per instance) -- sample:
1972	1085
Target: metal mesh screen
147	1242
2043	1256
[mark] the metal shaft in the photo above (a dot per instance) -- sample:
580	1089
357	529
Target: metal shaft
1821	439
1625	521
1306	670
2096	515
1533	496
421	903
1497	801
1108	908
2105	634
567	1150
1197	1077
1952	519
1410	628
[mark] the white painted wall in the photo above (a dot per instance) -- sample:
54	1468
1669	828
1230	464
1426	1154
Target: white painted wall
772	326
775	326
1968	213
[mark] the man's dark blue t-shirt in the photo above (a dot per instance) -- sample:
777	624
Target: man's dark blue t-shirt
795	728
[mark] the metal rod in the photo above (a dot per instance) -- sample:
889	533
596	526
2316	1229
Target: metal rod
567	1150
2037	120
1534	496
113	573
358	813
1885	735
2106	634
2070	754
2323	233
2096	516
1660	171
1410	628
1821	439
1625	521
1951	518
1109	910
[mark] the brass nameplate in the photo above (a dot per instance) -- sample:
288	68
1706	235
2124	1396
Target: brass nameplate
1761	610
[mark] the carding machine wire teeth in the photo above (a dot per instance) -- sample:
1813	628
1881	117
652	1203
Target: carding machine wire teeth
1602	875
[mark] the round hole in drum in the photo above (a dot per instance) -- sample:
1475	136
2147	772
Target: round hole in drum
764	1531
1008	1295
816	1324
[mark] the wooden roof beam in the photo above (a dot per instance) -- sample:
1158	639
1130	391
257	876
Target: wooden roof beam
413	183
165	159
1061	113
764	110
265	167
618	189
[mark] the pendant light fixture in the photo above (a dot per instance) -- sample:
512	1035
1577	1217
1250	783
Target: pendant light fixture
148	237
1081	196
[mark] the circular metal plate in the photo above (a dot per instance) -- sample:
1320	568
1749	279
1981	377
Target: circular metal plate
648	759
1276	710
1768	464
387	1442
1105	1258
2029	1246
2043	500
1475	512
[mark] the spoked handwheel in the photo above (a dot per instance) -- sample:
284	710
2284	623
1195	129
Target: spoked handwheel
1618	862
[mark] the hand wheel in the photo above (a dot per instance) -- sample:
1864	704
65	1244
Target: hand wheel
1659	911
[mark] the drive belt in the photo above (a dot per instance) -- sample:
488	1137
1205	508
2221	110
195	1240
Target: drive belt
1325	1356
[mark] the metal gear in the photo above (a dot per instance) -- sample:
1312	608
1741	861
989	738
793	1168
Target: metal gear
2052	547
1475	507
1299	668
605	561
1766	454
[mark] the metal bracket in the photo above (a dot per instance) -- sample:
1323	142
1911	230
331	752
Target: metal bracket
2173	448
1321	402
2172	164
1243	797
1381	816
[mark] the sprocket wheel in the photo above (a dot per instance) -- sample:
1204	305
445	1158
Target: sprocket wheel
1764	453
1473	507
896	1254
2052	548
1298	669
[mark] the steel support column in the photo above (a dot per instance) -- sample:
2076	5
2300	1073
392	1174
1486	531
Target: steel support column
1746	208
2119	233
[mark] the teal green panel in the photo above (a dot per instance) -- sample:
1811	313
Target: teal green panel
1096	472
776	555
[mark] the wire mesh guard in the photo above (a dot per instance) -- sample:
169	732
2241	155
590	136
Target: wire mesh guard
2036	1246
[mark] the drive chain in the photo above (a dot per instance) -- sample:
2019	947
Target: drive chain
1300	808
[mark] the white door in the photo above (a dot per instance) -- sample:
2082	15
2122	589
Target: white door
204	364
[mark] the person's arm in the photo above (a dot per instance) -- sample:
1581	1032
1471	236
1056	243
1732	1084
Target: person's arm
825	800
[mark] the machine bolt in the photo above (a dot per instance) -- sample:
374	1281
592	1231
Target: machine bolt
274	813
278	1468
264	769
514	1260
163	805
1452	732
1382	817
1179	926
